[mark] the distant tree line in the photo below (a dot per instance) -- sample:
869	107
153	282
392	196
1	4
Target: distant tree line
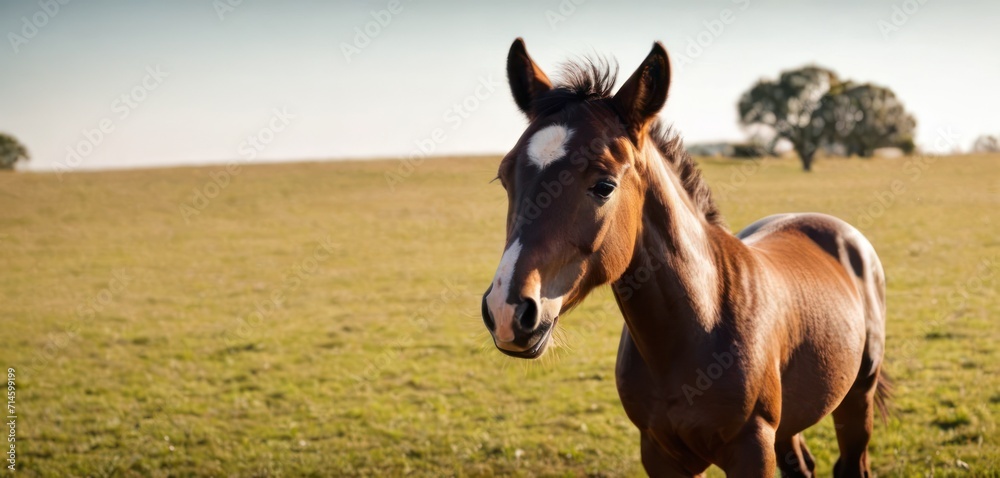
813	109
986	144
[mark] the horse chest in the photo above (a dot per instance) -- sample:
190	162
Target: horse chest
691	410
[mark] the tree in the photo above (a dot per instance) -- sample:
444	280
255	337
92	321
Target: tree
787	106
986	144
862	118
11	151
811	108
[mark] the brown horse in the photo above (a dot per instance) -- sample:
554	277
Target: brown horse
732	345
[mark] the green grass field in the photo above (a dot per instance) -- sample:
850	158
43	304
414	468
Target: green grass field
309	320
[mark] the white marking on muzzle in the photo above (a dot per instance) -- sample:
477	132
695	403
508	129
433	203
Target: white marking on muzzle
503	313
548	145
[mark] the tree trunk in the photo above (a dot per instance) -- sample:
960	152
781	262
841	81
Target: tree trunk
806	154
807	163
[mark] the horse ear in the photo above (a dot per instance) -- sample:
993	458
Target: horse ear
645	92
527	80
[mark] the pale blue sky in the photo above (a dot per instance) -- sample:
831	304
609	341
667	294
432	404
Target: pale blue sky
226	77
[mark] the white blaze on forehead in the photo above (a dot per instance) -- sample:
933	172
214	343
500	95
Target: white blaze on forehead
503	313
548	145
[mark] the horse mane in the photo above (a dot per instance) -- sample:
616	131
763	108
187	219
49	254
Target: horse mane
589	78
672	150
593	79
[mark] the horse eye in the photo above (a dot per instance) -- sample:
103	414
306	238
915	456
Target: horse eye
603	188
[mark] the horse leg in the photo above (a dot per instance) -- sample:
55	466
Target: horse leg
751	454
658	463
807	456
793	457
854	419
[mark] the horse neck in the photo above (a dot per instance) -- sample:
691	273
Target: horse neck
669	294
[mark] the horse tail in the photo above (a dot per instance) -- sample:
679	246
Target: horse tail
883	396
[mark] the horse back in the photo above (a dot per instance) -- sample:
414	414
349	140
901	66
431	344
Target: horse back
782	237
792	241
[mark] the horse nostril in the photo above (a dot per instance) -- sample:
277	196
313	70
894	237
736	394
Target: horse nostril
487	316
526	314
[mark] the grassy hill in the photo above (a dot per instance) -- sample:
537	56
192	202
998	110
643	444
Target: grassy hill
309	319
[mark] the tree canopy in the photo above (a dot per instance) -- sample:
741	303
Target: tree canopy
812	108
787	106
11	151
863	118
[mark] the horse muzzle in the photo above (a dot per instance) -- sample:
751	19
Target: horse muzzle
519	329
